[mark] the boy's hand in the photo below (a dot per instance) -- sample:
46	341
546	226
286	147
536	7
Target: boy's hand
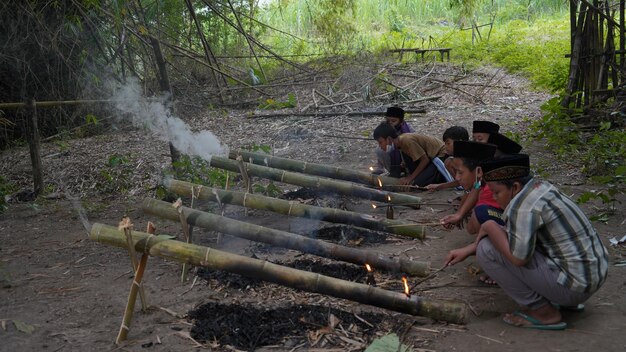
449	221
434	187
460	254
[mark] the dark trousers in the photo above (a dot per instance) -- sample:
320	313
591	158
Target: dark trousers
429	175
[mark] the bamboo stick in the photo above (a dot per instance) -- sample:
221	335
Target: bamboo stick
313	168
136	286
183	222
320	184
290	208
284	239
126	226
450	311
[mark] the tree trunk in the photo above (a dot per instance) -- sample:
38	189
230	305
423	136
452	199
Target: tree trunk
34	145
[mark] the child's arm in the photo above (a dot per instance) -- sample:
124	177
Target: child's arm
467	206
423	162
439	186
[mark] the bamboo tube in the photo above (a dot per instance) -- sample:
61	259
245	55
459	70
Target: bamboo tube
256	201
450	311
284	239
136	286
313	168
318	183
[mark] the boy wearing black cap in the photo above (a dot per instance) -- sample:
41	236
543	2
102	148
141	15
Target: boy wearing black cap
391	161
416	150
482	129
480	203
547	257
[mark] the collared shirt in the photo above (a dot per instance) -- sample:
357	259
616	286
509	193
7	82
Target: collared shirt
542	218
415	145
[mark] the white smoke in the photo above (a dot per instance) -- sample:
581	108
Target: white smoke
153	114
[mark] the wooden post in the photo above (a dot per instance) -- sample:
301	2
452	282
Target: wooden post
132	295
126	226
32	136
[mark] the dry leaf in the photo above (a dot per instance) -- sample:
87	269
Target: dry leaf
23	327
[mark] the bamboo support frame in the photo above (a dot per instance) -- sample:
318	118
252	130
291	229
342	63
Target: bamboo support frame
126	226
136	286
313	168
450	311
291	208
284	239
317	183
183	222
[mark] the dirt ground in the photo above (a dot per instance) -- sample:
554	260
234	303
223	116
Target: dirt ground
62	292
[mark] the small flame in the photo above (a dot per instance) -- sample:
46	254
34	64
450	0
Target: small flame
368	267
389	198
371	168
374	206
380	183
406	287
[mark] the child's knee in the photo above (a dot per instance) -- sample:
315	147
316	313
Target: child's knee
485	251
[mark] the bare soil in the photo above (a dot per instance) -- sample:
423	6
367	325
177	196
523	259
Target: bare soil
62	292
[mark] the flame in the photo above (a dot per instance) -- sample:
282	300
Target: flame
368	267
380	183
389	198
406	286
374	206
371	168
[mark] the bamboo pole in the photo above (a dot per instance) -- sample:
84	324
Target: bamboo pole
183	222
126	226
136	286
330	113
313	168
34	145
291	208
284	239
450	311
317	183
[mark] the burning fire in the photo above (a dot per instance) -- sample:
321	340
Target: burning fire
372	168
406	287
368	267
389	198
374	206
380	183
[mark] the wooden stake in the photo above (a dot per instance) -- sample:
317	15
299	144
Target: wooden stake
178	205
136	286
126	226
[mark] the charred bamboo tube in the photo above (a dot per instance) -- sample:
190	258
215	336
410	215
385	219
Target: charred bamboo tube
450	311
313	168
284	239
256	201
321	184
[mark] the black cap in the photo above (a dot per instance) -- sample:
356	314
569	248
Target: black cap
474	150
394	111
485	127
505	144
507	168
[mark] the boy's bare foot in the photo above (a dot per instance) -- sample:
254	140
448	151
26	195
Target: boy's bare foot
546	317
487	280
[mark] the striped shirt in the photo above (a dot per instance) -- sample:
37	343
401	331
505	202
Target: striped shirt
542	218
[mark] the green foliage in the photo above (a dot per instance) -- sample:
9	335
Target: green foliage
555	126
270	190
116	175
6	188
255	148
197	170
271	104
